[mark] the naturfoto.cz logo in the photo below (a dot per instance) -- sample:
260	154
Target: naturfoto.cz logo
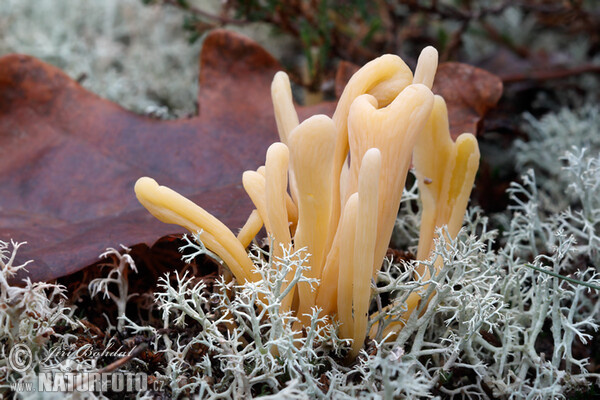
50	378
86	382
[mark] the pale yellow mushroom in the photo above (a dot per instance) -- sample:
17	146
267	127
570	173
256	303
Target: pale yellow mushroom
276	171
345	279
393	130
383	77
345	176
343	189
292	208
255	185
445	173
172	208
393	328
327	294
364	245
283	104
292	213
311	147
250	228
285	116
426	66
276	168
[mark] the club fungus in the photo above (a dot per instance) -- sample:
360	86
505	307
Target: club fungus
332	186
445	172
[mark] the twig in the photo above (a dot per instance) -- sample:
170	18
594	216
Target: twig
122	361
566	278
218	19
521	51
455	41
449	12
543	75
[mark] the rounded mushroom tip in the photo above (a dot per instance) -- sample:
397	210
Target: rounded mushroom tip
439	101
247	174
426	66
318	127
320	121
373	153
277	151
390	59
281	75
144	184
280	80
467	136
467	142
429	51
276	148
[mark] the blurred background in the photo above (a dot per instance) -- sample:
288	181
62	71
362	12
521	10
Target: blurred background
143	54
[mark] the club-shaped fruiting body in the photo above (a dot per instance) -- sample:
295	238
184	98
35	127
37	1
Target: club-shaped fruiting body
332	187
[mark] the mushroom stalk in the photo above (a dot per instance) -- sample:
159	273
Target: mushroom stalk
393	130
276	169
346	270
172	208
311	150
364	244
383	78
445	173
250	229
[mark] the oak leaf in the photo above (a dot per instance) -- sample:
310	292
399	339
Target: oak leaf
69	159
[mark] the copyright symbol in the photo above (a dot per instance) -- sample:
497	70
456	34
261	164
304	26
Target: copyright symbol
20	358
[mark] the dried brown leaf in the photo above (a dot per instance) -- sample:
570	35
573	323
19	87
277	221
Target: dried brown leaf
69	159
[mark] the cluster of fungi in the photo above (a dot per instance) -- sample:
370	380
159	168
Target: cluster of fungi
331	189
